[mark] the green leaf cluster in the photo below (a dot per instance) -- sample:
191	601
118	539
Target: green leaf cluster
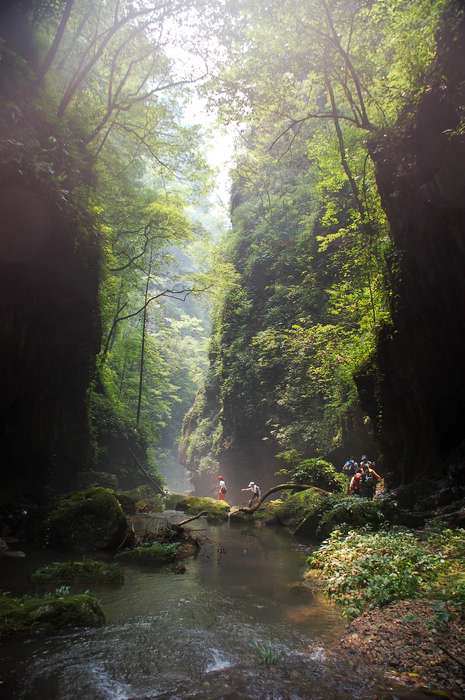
362	570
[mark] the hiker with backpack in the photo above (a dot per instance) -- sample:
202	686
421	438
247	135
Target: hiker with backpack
350	467
356	483
221	488
254	489
369	480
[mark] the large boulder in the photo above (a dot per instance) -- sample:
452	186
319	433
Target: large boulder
47	614
87	521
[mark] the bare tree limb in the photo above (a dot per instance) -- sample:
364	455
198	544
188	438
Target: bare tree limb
366	124
189	520
307	117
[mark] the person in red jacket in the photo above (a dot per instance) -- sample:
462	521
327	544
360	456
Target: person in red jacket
356	483
221	488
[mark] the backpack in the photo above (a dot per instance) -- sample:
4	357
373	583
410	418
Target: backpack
357	482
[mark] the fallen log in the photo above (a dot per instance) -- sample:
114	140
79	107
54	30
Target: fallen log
282	487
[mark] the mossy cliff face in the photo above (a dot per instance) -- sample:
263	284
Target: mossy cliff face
415	387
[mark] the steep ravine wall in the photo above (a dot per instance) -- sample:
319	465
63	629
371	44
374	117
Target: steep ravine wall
415	387
49	278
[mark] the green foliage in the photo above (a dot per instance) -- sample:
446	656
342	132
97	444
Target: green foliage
86	570
317	472
351	511
154	553
87	521
315	516
363	570
47	614
310	82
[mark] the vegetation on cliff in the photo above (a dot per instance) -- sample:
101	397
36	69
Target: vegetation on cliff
320	316
96	261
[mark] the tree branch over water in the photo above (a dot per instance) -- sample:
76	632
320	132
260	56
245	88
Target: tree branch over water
283	487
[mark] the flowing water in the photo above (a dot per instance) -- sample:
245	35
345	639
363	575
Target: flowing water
237	624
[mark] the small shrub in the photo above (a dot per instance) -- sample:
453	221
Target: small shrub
155	553
267	654
312	471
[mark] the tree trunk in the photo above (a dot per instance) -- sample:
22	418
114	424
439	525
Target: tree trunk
142	347
52	52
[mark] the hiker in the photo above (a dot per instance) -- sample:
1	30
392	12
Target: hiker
256	493
350	467
356	483
221	488
363	461
369	480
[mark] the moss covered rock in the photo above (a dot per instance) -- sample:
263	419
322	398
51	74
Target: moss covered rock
87	521
154	553
298	508
87	570
47	614
267	513
217	511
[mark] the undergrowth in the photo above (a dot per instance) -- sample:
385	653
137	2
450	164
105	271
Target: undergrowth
363	570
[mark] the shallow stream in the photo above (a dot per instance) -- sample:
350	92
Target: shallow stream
237	624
